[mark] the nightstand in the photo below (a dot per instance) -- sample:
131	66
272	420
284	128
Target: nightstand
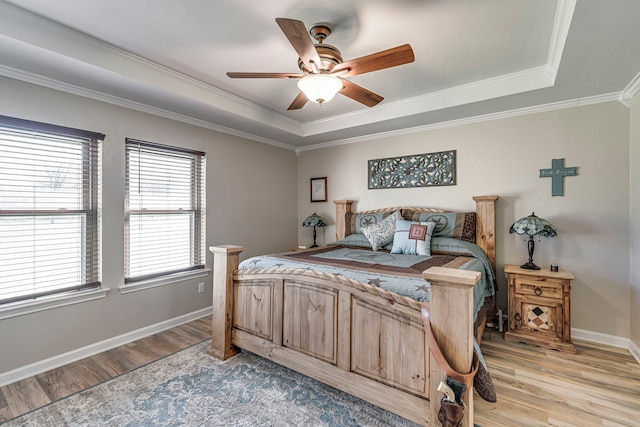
540	307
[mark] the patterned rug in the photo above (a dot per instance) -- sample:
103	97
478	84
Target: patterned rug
191	388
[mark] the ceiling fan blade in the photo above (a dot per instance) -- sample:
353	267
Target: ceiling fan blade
301	41
360	94
235	75
377	61
299	102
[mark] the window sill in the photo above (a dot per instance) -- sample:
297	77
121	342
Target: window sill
162	281
47	303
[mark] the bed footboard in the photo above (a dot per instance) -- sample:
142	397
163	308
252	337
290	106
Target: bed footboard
358	338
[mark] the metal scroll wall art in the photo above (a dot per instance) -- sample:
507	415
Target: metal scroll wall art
418	170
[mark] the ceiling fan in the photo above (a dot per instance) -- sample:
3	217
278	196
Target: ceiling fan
322	70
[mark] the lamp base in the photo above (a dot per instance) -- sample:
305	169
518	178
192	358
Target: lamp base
314	245
530	266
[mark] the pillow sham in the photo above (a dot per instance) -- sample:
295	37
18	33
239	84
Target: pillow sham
356	239
381	234
459	225
452	246
413	238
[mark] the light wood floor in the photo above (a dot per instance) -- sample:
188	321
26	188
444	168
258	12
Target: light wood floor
598	386
31	393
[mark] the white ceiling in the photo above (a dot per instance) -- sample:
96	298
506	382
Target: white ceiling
474	59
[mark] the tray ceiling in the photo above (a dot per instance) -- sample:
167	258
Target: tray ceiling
473	59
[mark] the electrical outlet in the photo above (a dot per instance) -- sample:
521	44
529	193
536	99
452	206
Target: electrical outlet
200	287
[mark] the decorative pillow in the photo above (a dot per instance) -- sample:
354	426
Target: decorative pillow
413	238
460	226
381	233
355	222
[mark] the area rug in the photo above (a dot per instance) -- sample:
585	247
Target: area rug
191	388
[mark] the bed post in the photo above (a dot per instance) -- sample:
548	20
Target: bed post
486	225
225	263
343	207
451	308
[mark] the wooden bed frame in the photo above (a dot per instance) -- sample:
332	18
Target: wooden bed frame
355	337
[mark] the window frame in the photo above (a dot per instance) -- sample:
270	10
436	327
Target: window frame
89	269
197	210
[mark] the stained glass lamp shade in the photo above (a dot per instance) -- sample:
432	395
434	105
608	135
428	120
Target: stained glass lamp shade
532	225
314	221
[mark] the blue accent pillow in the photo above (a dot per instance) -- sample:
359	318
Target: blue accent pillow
413	238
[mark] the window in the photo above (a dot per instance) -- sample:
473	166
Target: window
49	206
164	203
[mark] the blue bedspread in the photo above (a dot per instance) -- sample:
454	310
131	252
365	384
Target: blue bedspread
397	273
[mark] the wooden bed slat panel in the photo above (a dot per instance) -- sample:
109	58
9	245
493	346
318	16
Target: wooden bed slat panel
389	348
252	311
310	323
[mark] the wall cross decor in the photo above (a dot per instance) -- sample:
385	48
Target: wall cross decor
557	173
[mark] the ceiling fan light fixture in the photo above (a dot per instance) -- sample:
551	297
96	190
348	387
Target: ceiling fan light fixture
320	88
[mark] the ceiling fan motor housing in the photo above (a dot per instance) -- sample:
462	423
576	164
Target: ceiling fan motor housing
330	56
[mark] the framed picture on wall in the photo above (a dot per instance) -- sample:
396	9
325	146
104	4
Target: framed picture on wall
319	189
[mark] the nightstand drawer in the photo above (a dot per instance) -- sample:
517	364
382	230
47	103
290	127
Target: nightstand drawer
539	286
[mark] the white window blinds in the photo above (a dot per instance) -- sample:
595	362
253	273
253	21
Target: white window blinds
49	207
164	203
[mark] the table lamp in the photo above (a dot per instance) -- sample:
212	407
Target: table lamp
314	221
532	226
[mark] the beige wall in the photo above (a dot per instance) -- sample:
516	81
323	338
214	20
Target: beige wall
249	180
503	157
251	201
635	221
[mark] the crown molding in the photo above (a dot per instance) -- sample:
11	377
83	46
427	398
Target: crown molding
561	25
33	30
509	84
42	33
580	102
132	105
629	92
39	80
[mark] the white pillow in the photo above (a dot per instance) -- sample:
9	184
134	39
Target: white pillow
413	238
381	234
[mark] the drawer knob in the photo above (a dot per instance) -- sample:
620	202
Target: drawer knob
538	290
517	317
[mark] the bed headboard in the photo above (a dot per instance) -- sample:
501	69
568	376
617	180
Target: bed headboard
485	221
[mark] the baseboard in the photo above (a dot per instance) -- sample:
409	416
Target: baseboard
606	339
600	338
634	349
92	349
